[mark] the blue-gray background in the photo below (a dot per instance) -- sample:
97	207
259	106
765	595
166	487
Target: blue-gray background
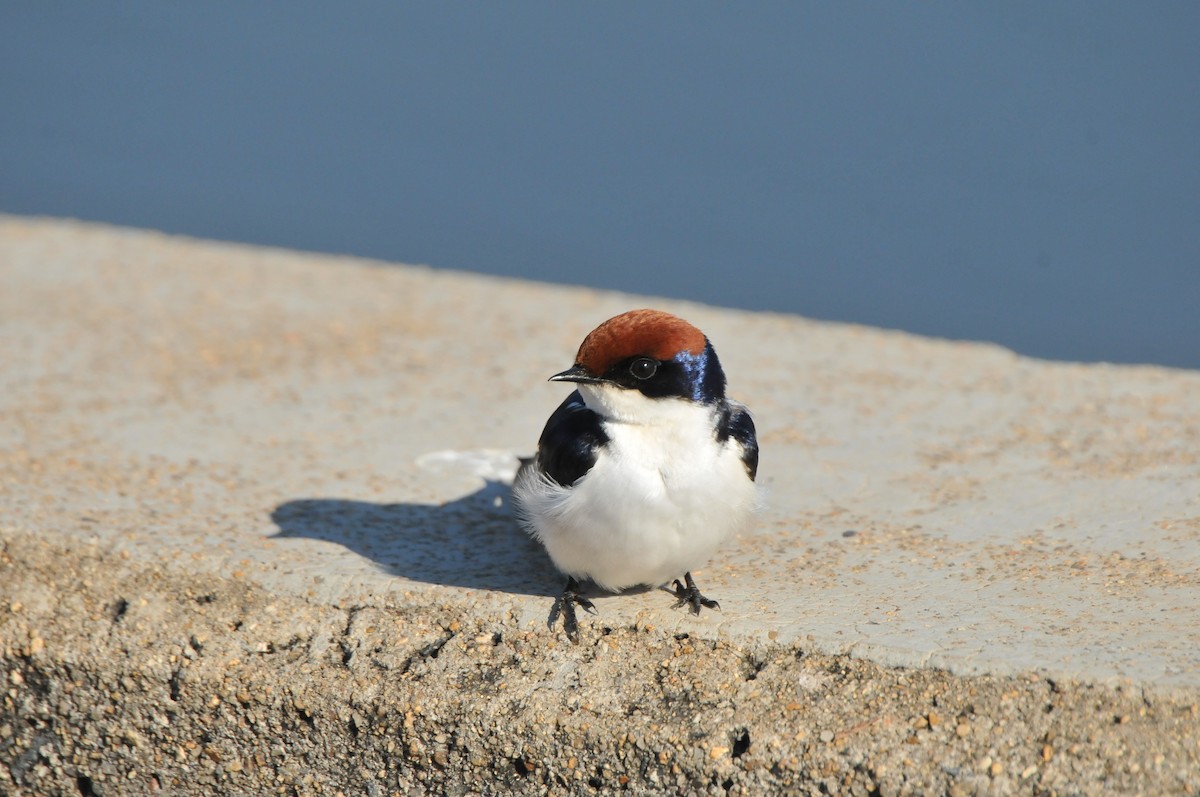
1021	172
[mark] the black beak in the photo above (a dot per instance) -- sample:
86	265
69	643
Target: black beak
577	373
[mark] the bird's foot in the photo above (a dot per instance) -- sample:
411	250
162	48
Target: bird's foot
565	605
687	593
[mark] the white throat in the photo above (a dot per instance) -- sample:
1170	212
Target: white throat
624	405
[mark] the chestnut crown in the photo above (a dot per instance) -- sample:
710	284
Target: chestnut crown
653	352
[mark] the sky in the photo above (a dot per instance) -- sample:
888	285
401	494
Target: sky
1023	173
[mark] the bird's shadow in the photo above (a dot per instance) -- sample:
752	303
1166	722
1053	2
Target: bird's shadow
473	541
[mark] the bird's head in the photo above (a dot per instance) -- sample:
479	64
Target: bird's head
645	355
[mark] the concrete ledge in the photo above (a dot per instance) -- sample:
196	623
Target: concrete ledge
255	539
127	679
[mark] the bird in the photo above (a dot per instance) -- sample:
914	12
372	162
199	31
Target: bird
644	469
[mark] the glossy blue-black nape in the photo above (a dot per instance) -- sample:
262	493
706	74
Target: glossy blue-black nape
703	379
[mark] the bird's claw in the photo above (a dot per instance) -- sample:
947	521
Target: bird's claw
687	593
565	605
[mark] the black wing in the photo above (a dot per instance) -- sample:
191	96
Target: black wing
568	445
735	422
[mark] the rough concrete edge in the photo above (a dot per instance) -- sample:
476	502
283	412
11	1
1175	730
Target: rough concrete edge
128	678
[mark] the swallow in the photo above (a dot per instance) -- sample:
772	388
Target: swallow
644	469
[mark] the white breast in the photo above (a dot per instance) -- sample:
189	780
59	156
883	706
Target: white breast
660	499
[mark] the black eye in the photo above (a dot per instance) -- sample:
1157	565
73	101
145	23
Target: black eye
643	367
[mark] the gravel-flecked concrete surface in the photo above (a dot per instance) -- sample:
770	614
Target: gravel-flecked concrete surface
255	539
130	679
